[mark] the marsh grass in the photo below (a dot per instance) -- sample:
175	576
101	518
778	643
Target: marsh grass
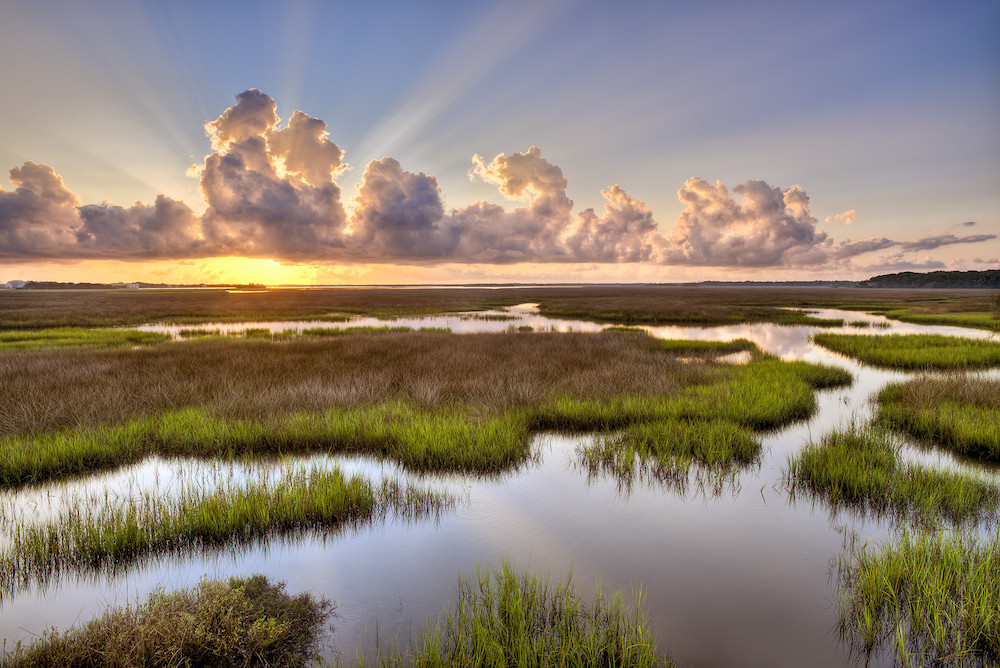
961	413
914	351
670	451
428	400
118	533
48	390
505	618
237	623
702	305
862	469
77	337
928	600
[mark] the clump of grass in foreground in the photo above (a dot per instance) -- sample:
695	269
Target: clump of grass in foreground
666	450
914	351
863	469
240	622
932	600
504	618
117	534
77	337
960	413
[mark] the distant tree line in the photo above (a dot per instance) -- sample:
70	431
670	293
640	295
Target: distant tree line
989	280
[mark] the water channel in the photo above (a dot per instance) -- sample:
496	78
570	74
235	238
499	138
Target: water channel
735	578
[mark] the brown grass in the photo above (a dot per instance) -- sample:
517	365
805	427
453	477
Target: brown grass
45	390
22	309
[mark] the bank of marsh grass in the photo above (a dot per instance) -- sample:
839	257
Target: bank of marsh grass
927	599
120	532
467	403
914	351
862	469
235	623
77	337
961	413
508	618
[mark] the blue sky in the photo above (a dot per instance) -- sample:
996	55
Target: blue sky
890	110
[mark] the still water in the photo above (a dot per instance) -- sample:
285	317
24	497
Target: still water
742	577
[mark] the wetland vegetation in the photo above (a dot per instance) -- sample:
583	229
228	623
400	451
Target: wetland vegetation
84	400
636	304
928	599
239	622
508	618
862	469
120	532
914	351
429	401
961	413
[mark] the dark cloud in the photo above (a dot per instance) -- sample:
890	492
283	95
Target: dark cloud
968	223
270	191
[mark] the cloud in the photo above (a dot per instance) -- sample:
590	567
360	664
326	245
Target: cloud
271	191
399	214
968	223
39	217
846	217
944	239
767	226
897	262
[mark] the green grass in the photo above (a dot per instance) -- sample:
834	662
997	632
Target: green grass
958	413
683	347
444	439
971	319
505	618
118	533
240	622
914	351
929	600
77	337
862	469
667	450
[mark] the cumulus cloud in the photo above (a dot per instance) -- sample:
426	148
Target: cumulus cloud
270	190
39	217
767	226
846	217
399	214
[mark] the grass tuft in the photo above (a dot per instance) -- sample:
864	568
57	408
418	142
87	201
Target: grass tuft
240	622
504	618
929	600
862	469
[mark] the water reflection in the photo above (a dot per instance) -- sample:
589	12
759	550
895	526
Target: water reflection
733	578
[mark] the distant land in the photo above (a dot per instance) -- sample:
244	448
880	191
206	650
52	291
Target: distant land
937	279
986	280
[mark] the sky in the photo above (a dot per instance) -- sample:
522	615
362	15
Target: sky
312	142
